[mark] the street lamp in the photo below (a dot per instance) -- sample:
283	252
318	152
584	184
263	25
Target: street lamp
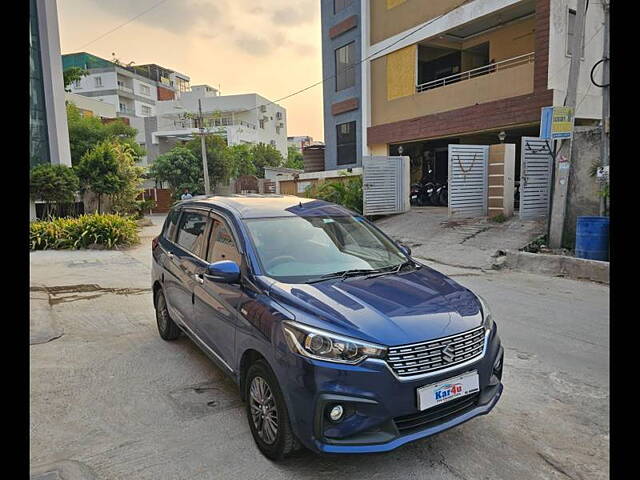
502	135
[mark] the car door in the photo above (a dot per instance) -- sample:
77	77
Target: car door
184	260
216	304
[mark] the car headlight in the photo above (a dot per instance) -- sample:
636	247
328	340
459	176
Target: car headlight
487	318
322	345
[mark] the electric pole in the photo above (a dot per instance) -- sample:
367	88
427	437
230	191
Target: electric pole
203	146
562	164
605	98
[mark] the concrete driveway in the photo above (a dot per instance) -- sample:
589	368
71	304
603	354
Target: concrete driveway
467	242
111	400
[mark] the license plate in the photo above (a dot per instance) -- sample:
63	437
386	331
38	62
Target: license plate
447	390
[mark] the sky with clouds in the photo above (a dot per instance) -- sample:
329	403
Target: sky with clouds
272	47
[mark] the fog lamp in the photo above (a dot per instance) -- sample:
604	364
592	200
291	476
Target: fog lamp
336	413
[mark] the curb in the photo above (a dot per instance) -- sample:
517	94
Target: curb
557	265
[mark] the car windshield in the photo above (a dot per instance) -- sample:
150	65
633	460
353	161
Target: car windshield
303	248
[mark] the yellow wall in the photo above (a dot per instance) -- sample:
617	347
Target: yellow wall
506	83
401	72
379	149
508	42
394	16
394	3
393	78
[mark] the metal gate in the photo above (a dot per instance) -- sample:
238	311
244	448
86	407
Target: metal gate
468	180
385	185
535	177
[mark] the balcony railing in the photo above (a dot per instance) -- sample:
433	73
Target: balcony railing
476	72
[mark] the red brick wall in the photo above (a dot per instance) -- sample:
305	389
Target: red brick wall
344	106
165	94
500	113
344	26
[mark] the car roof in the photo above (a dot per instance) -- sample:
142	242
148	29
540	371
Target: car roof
255	205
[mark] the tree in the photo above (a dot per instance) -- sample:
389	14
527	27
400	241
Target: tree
180	168
241	161
98	171
125	199
218	158
294	158
86	132
53	183
72	74
265	156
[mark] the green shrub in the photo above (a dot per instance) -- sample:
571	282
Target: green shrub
73	233
347	193
499	218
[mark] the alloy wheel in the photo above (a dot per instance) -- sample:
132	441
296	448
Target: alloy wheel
263	410
162	314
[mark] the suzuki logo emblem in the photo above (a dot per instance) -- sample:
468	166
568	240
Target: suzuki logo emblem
448	353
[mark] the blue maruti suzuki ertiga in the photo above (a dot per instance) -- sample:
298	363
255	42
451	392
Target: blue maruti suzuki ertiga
337	338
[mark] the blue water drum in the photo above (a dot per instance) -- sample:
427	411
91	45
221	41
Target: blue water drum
592	238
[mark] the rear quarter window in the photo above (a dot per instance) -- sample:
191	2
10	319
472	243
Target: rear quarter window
170	225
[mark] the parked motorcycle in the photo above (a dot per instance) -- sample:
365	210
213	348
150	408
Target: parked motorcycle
421	193
443	196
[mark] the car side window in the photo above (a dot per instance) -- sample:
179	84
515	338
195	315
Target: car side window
191	231
170	226
222	245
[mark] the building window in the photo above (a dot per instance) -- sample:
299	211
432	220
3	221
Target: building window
145	90
76	84
146	111
571	27
346	141
39	136
339	5
123	107
261	121
345	63
98	81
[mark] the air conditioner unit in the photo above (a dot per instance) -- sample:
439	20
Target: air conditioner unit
280	124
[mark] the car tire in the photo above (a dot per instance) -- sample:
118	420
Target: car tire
273	445
166	326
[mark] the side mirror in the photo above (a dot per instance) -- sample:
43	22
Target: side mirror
224	271
406	250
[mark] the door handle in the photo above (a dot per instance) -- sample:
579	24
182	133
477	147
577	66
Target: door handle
199	278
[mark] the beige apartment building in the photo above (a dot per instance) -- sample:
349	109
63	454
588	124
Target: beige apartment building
450	71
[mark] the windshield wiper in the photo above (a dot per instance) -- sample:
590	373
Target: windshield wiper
343	274
395	269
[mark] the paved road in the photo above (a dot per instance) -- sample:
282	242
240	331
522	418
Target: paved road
111	400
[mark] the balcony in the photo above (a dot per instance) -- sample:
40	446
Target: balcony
507	78
527	58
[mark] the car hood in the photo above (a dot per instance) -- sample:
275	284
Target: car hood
393	309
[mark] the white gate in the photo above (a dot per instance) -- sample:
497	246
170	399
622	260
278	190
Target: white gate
468	180
385	185
535	178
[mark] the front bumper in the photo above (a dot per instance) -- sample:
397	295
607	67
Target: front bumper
381	410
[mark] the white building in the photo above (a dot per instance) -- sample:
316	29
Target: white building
299	142
91	107
133	90
245	118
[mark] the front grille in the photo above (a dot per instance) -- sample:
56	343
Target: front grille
437	414
407	360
